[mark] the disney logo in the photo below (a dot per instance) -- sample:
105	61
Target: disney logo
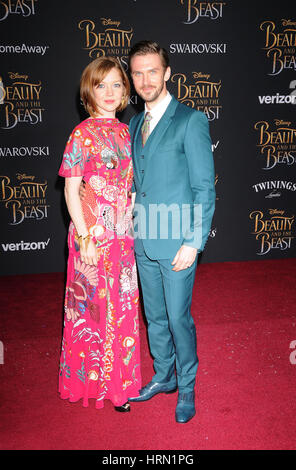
15	76
200	75
109	22
23	176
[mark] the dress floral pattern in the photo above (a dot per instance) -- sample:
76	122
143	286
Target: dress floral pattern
100	355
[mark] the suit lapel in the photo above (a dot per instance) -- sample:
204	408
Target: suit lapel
154	138
140	119
159	131
135	141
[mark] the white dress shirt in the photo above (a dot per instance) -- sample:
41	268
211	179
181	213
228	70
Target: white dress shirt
158	111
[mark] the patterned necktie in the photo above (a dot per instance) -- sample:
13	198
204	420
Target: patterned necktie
146	128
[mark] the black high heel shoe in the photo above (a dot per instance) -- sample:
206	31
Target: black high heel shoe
123	408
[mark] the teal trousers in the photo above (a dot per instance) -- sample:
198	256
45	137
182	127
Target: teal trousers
167	297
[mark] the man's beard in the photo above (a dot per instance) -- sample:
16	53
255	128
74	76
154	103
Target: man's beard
152	97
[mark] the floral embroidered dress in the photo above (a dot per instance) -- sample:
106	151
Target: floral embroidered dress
100	355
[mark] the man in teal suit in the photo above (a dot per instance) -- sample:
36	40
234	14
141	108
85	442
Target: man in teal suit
174	206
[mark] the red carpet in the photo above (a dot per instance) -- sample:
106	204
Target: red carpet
245	318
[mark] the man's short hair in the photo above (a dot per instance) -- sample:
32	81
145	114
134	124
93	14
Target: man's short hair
149	47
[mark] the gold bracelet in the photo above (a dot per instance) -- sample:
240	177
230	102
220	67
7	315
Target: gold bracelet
81	239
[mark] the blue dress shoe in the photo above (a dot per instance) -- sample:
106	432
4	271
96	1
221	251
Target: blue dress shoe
185	409
153	388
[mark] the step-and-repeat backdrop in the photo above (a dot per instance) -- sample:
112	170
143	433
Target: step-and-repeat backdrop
234	61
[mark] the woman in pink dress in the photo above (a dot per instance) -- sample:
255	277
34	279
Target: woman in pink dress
100	355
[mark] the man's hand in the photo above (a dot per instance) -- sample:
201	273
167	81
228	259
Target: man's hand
184	258
82	190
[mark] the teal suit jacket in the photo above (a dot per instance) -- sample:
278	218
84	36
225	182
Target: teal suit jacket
174	182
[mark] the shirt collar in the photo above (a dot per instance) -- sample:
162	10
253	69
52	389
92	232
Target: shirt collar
160	108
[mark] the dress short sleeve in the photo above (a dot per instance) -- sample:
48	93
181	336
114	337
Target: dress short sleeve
75	155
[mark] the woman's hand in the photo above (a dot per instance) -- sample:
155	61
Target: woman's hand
73	191
88	251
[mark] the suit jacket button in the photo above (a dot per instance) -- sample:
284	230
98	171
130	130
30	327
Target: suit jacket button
142	171
142	156
144	194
